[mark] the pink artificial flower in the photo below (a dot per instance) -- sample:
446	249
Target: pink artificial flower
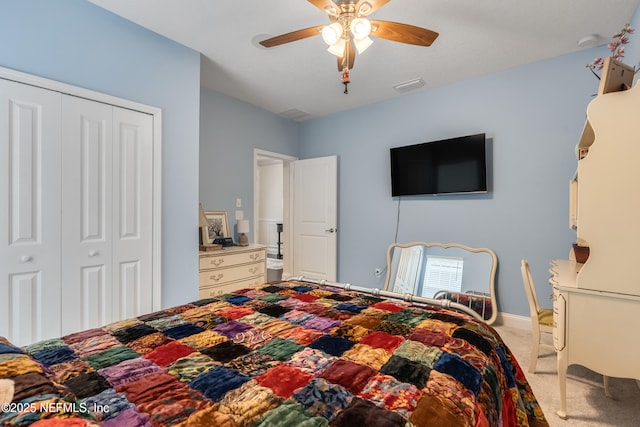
616	46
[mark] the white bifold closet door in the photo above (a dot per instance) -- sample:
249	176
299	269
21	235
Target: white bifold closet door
76	231
30	212
106	222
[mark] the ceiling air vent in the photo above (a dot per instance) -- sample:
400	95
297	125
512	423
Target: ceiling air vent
294	114
409	85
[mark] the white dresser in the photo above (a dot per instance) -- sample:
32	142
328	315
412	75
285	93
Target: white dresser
232	268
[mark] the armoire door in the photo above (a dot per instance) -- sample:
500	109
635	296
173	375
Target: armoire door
30	291
107	210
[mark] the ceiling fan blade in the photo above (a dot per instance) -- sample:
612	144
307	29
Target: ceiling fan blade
403	33
327	6
365	7
350	54
292	36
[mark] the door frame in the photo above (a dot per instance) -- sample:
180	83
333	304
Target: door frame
287	205
56	86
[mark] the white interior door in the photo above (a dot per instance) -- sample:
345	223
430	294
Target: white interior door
132	213
107	228
30	213
87	165
315	217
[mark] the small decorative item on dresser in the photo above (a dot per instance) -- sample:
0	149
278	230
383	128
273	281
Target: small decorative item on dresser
204	236
210	247
243	228
203	228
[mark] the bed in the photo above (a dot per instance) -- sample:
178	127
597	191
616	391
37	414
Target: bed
290	353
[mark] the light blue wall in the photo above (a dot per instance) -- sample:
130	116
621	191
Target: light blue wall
75	42
534	114
230	130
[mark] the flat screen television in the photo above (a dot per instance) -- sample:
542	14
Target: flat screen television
449	166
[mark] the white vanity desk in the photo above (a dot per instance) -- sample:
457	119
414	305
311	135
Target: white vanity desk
596	329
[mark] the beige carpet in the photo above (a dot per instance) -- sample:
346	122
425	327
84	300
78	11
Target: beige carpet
586	402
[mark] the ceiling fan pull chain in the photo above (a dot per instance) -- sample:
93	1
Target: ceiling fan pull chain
345	79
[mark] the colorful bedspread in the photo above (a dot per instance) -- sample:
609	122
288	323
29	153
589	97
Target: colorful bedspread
286	354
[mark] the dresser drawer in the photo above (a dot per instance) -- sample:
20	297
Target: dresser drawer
214	291
224	260
221	276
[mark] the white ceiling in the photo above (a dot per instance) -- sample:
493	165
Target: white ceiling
476	38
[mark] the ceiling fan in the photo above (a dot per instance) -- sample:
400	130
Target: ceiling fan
350	29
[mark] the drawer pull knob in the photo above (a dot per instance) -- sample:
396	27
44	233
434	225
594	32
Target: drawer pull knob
254	256
217	262
216	277
253	270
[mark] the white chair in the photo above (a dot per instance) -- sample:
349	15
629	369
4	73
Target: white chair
541	318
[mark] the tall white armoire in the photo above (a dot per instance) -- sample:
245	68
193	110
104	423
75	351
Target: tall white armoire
597	299
76	218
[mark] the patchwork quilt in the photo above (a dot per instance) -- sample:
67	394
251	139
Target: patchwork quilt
281	354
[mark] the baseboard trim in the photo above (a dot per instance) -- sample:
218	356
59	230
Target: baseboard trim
514	321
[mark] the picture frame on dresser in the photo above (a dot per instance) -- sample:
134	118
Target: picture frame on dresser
204	236
203	226
218	224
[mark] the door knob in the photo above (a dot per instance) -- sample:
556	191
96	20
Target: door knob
26	258
331	230
93	253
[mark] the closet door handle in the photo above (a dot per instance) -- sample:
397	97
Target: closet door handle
26	258
331	230
93	254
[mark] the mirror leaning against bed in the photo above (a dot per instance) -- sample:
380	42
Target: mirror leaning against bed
452	271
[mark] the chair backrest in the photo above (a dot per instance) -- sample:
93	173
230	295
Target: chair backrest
527	279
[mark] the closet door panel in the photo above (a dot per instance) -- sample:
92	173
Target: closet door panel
87	168
23	320
94	290
132	211
30	214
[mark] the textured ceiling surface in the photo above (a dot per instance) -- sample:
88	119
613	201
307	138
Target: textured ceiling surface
301	78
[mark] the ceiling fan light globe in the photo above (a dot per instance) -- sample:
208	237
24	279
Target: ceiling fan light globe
331	34
337	48
361	28
362	44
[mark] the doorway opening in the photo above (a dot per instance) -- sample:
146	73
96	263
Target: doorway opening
272	211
